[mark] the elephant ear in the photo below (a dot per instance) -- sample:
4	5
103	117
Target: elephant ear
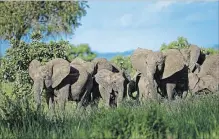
103	77
60	69
174	62
195	53
138	59
33	66
210	66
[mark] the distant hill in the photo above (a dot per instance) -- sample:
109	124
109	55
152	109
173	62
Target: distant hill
111	55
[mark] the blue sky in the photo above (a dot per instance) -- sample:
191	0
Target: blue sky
116	26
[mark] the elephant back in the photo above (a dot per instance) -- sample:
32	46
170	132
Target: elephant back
59	69
138	59
210	66
174	62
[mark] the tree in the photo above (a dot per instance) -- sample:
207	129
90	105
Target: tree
82	50
18	18
124	63
210	51
180	43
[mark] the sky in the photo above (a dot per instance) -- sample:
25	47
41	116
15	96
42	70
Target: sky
117	26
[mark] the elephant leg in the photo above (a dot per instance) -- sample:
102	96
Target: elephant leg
170	90
107	98
50	100
63	96
102	92
80	103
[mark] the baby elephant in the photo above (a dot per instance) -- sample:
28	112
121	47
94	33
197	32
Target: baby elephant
111	86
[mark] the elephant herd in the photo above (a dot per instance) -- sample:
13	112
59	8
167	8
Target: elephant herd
80	81
168	74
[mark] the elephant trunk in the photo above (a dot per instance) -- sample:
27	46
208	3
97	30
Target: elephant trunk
120	96
152	87
38	88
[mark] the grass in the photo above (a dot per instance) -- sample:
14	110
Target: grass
191	118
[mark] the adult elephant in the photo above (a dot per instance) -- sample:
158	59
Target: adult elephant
150	65
63	81
178	64
111	86
208	77
166	70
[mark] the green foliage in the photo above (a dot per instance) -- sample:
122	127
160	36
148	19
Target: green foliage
180	43
210	51
18	18
192	118
15	63
124	63
82	50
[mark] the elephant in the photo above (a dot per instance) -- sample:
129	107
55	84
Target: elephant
111	86
207	78
103	63
149	64
167	72
63	81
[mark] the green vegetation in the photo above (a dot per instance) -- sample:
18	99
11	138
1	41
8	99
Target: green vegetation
191	118
124	63
195	118
182	42
20	18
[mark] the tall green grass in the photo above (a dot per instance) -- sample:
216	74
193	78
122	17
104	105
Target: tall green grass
192	118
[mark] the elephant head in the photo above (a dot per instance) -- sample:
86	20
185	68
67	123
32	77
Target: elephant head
193	57
199	84
208	77
150	64
111	82
210	66
51	75
101	63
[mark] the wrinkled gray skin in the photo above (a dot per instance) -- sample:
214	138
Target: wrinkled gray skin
103	63
111	86
208	77
63	81
178	63
140	84
149	64
167	70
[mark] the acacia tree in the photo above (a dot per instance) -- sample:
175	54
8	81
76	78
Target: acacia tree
18	18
